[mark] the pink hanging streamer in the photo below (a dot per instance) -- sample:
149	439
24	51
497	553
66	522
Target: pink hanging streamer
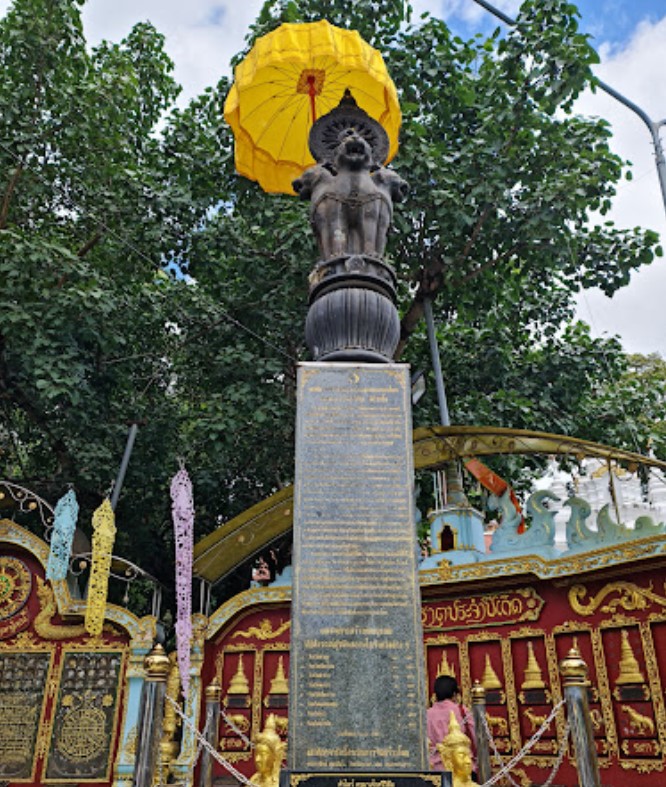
182	508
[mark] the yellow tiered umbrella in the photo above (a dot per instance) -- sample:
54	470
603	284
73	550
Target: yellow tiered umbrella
290	78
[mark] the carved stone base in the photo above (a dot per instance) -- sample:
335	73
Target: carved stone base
352	313
351	324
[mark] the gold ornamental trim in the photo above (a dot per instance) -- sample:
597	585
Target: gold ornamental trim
264	631
68	607
236	540
435	445
631	598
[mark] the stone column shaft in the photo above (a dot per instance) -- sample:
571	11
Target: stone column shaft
482	743
574	672
213	696
151	716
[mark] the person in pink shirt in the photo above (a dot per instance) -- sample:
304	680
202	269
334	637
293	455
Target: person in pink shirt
447	693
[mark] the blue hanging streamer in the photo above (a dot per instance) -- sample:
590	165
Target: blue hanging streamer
64	525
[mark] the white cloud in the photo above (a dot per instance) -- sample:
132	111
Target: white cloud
636	312
201	35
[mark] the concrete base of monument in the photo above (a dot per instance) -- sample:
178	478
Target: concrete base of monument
365	779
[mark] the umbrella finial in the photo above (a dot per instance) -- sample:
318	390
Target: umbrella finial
348	101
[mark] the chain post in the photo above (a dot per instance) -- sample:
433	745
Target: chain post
574	672
213	694
482	743
151	716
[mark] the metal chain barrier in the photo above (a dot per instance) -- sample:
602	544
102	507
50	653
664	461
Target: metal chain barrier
203	743
243	737
504	769
160	764
560	756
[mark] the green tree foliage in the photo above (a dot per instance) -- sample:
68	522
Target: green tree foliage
104	185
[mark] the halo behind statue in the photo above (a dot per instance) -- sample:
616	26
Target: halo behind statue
327	132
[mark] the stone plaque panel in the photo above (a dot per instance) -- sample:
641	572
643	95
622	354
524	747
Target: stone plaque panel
23	678
357	692
84	723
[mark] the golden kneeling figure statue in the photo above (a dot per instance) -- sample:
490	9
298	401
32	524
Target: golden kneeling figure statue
456	753
268	754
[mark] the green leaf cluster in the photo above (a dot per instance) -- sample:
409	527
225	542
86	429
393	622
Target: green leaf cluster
144	282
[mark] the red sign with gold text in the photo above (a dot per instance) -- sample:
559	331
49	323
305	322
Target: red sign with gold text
491	609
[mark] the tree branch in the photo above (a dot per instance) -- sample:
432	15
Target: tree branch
9	191
91	242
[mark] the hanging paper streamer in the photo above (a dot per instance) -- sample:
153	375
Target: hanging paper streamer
64	525
104	534
182	507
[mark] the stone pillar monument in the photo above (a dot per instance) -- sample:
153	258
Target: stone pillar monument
357	695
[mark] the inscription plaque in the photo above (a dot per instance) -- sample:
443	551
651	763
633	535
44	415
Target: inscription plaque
84	720
22	690
357	679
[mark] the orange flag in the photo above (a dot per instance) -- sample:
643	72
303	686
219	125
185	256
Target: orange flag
493	483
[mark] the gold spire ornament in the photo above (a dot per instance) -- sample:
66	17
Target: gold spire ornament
533	678
456	753
489	679
168	745
104	535
445	668
239	684
629	670
279	684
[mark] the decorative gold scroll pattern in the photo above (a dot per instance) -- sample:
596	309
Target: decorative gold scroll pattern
554	676
603	685
653	678
465	670
510	686
631	598
264	631
15	586
42	622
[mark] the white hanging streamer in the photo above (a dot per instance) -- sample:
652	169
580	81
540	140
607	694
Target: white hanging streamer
183	524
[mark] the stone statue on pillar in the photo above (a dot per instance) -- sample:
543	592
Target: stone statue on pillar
351	196
352	199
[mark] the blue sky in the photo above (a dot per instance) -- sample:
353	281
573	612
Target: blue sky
607	21
630	35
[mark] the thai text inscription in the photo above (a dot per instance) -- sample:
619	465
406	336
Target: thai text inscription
85	716
22	687
489	610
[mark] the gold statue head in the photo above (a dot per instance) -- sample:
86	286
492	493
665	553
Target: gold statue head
456	753
268	753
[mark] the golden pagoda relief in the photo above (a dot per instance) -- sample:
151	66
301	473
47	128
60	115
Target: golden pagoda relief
279	684
533	678
630	672
238	691
489	679
495	694
445	668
